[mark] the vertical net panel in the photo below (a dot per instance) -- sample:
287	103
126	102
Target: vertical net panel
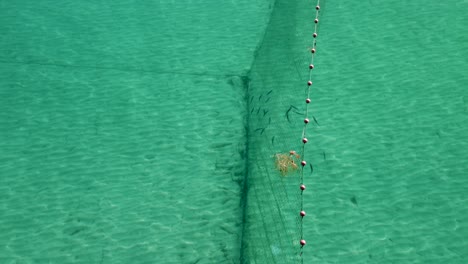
276	88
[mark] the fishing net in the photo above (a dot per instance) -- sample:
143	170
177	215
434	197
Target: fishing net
279	161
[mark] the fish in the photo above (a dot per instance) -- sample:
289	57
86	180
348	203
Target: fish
287	114
315	120
260	129
295	110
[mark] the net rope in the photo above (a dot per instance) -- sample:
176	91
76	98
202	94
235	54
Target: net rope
302	213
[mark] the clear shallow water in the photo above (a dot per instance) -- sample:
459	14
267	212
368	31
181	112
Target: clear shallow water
95	170
393	94
123	132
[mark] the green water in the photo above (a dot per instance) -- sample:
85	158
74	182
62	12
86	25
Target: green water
122	129
144	132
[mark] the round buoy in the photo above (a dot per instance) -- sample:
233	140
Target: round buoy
312	50
314	35
303	163
316	21
311	66
302	213
317	7
306	120
303	242
308	100
304	140
303	187
309	83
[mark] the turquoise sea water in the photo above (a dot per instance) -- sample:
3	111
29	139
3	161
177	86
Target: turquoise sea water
145	132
